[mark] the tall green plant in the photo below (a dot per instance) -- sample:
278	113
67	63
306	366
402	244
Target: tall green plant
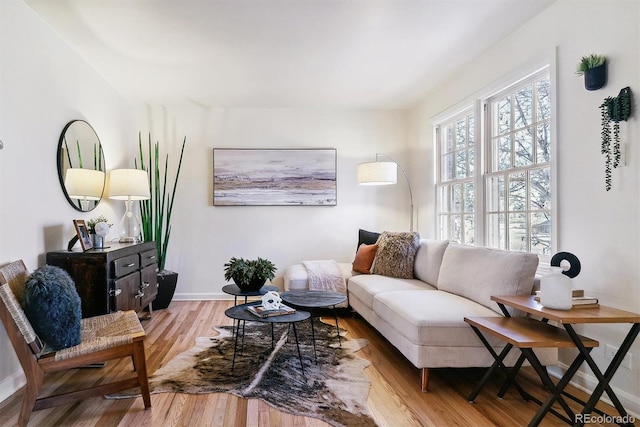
156	212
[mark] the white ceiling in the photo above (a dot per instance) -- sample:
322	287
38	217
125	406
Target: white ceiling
282	53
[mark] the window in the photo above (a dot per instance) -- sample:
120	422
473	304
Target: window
456	186
507	203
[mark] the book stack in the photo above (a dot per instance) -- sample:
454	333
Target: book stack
261	312
579	299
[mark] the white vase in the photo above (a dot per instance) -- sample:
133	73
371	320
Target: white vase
555	290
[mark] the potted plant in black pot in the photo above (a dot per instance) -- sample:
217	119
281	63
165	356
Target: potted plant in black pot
249	275
594	68
98	233
156	214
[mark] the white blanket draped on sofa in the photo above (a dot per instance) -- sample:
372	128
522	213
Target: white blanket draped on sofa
325	275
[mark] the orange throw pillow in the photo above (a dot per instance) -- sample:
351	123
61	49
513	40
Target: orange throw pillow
364	258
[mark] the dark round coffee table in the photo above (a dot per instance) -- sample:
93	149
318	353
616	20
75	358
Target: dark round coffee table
310	300
242	315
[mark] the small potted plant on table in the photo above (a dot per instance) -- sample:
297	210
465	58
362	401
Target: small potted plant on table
249	275
98	233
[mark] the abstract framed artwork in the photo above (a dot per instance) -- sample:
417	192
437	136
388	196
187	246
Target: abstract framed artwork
274	177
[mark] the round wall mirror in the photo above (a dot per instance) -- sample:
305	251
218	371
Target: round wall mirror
81	167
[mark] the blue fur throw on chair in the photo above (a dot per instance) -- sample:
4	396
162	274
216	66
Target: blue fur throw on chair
52	305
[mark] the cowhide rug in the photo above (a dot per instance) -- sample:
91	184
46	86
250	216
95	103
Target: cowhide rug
334	389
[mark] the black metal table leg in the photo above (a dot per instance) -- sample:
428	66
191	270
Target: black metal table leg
235	347
313	338
295	334
335	314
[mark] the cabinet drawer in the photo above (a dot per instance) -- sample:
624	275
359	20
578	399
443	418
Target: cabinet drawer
148	285
126	290
125	265
148	258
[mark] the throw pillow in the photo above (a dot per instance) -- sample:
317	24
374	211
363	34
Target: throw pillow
364	258
52	305
396	254
367	237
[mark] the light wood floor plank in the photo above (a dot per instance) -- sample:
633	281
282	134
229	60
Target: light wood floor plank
395	398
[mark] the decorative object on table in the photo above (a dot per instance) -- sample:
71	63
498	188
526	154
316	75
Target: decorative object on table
128	185
98	229
53	307
262	312
613	110
82	234
556	287
274	177
594	69
335	390
271	300
384	173
249	275
156	213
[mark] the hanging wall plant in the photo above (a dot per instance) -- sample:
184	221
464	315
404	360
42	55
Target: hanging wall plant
613	111
594	69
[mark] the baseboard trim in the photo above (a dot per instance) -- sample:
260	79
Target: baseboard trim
11	384
587	383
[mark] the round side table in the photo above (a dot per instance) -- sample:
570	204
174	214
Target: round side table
234	290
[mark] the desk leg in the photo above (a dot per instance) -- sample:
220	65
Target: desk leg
603	380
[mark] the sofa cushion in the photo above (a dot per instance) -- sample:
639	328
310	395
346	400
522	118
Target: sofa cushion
478	273
428	260
396	254
366	286
364	258
431	318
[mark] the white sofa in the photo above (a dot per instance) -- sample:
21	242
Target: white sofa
424	317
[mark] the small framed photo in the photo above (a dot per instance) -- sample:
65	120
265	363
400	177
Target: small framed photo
83	234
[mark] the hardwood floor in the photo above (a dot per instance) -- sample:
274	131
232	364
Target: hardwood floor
395	398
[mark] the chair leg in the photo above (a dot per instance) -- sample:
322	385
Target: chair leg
140	364
424	377
29	398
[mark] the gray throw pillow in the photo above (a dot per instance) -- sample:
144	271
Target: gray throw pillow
396	254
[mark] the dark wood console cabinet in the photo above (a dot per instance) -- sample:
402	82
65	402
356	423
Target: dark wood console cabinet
120	277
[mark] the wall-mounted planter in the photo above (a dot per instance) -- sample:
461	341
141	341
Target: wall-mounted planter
613	111
595	78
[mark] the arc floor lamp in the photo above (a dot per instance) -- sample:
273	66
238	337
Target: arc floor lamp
384	173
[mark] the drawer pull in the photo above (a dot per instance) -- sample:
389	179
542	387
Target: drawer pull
133	264
140	294
152	257
115	292
145	285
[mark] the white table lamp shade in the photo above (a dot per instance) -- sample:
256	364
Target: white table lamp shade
86	184
377	173
128	184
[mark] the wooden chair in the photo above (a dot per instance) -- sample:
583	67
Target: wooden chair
107	337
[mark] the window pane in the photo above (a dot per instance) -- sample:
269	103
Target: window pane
469	230
471	165
471	128
461	164
456	228
544	99
502	153
443	198
495	230
540	188
457	198
495	194
503	114
518	232
540	233
443	224
543	151
523	107
461	133
469	197
447	167
448	139
517	192
523	148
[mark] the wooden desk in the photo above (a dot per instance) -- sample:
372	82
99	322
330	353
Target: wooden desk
567	318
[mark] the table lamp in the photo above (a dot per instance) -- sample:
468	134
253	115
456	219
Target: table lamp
129	185
84	185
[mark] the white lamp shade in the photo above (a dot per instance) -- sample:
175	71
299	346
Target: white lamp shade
377	173
85	184
128	184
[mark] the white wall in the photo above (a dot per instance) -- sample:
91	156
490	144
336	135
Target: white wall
204	236
44	85
600	227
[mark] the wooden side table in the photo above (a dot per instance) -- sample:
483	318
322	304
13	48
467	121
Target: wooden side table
567	318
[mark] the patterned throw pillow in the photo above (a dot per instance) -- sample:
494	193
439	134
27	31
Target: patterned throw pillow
52	305
396	254
364	258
